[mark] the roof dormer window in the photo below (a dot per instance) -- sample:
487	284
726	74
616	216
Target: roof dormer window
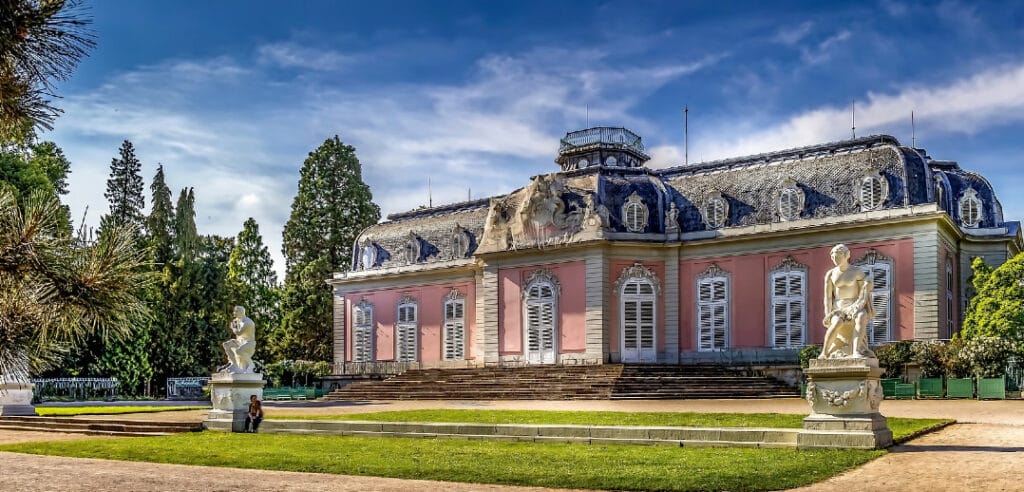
715	211
970	208
791	201
874	190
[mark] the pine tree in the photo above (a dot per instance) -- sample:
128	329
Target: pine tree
124	190
160	223
332	206
253	283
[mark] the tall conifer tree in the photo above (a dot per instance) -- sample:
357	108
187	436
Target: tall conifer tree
160	223
253	283
332	206
124	190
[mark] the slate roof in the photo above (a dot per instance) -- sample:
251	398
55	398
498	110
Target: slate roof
827	174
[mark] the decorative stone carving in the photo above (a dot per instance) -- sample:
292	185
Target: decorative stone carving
454	294
367	254
241	348
460	242
848	309
713	270
638	270
789	263
412	248
843	386
229	394
406	299
543	275
672	219
871	257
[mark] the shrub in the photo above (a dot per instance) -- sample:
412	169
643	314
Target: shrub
928	355
988	356
954	361
807	353
894	357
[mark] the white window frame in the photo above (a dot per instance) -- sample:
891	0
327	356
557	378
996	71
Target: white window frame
950	321
539	280
715	211
362	332
789	271
407	330
711	277
639	275
454	347
867	187
975	211
874	262
635	215
791	194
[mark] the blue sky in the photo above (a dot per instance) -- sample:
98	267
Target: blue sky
230	96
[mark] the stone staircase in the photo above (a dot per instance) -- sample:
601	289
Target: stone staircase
98	426
609	381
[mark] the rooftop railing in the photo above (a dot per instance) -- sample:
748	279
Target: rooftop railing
607	135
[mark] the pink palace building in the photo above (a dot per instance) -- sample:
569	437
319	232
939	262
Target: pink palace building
608	261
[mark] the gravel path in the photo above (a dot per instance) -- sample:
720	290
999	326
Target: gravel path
984	452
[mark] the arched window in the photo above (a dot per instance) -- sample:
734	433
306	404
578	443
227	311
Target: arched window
634	214
787	292
880	269
406	329
454	326
362	332
715	211
540	317
638	288
874	190
970	208
791	201
713	309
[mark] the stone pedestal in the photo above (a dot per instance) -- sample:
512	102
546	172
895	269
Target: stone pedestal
15	397
844	395
230	394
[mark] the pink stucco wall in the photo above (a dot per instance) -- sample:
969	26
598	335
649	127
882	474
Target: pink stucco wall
572	307
749	300
615	268
430	301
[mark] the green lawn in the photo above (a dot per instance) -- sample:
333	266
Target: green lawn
520	463
901	427
69	411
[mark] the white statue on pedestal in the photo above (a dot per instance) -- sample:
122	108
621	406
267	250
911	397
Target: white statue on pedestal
848	309
240	349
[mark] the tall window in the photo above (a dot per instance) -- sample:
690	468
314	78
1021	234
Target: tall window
406	329
880	270
362	332
788	291
949	299
540	311
638	288
454	326
713	309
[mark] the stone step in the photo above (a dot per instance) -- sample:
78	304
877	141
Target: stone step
98	426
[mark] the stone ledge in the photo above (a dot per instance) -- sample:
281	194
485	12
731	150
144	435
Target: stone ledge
827	436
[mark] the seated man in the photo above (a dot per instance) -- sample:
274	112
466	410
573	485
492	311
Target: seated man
255	415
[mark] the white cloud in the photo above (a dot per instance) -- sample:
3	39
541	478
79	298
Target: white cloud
822	52
291	55
239	136
793	34
967	105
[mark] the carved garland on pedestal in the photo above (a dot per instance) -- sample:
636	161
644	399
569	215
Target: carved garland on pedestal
638	270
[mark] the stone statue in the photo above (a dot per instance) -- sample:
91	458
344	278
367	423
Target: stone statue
672	219
848	309
240	349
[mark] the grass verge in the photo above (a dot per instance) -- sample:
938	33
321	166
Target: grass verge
901	427
111	410
516	463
